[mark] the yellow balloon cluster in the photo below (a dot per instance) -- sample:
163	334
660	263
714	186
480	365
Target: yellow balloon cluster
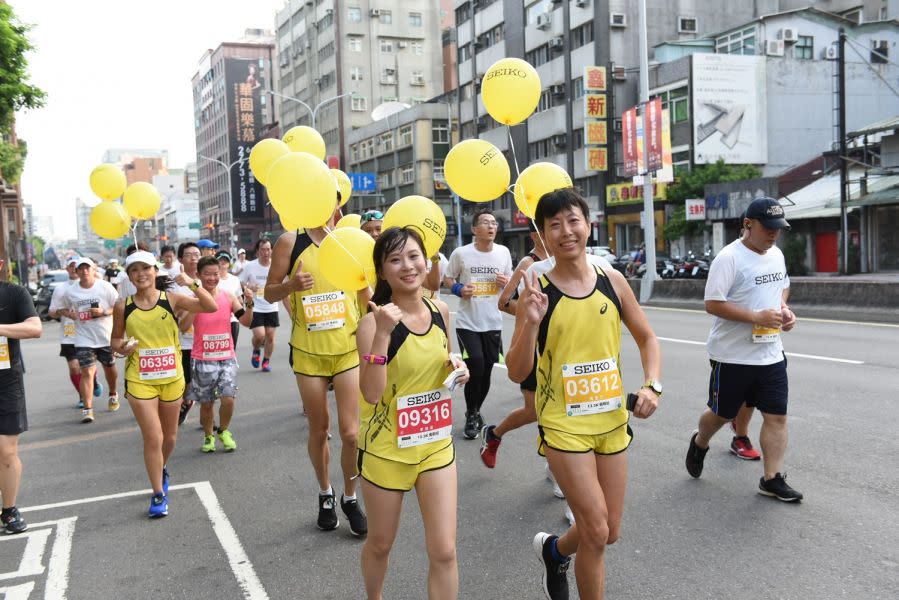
263	156
477	171
536	180
345	258
109	220
510	90
141	200
424	215
108	181
305	139
302	190
350	220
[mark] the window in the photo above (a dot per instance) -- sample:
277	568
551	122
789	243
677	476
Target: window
359	103
385	179
325	21
804	48
388	98
385	17
439	132
681	162
687	25
418	48
385	142
355	44
578	86
405	135
491	37
538	56
417	78
354	152
354	14
439	174
582	35
388	76
356	74
880	52
386	45
540	8
738	42
463	13
407	175
415	19
677	102
464	52
539	149
327	51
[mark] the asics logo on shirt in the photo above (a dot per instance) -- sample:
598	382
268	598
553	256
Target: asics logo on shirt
762	279
164	316
605	307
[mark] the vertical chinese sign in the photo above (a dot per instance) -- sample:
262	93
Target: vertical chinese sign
630	151
596	134
654	131
243	86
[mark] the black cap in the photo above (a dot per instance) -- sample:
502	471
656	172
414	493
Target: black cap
768	212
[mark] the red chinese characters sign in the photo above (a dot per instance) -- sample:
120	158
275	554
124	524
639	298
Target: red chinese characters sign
596	158
594	79
594	106
596	133
654	128
629	141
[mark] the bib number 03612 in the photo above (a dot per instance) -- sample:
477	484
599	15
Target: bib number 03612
423	418
592	387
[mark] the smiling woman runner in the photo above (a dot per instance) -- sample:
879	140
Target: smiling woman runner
406	440
571	316
145	330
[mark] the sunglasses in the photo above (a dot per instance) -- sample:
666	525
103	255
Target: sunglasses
372	215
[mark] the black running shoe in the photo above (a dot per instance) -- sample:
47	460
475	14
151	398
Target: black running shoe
327	512
695	457
471	426
13	521
555	574
481	421
354	514
777	487
185	408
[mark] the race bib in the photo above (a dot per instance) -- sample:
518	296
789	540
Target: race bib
485	286
216	345
4	353
260	292
68	330
423	418
764	335
157	363
591	388
85	315
325	311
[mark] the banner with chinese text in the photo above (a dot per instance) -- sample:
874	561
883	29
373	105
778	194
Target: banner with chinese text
243	87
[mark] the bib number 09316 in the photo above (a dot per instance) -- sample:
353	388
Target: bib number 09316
591	388
423	418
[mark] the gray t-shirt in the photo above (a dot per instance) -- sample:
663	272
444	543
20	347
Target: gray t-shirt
468	265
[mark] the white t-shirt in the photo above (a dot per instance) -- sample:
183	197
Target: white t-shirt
468	265
442	265
255	274
543	267
91	332
57	301
232	285
750	280
187	338
124	285
237	267
172	271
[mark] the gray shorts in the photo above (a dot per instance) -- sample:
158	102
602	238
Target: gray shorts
211	379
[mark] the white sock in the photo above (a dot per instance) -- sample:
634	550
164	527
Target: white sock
327	492
349	498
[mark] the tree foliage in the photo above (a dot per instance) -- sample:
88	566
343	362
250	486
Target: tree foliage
16	93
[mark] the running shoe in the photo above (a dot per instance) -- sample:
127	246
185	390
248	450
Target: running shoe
227	440
80	403
741	447
327	513
113	403
471	426
557	491
165	481
87	415
266	365
555	573
98	388
481	422
208	444
568	514
695	457
185	408
159	506
255	358
354	514
489	446
777	487
13	521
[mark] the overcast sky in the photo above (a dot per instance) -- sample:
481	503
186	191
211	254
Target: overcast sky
117	74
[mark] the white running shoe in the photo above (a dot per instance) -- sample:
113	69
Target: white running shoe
557	491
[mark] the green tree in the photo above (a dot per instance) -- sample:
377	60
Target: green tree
16	93
692	185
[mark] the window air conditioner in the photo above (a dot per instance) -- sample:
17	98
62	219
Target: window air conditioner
544	21
618	20
774	47
557	43
788	35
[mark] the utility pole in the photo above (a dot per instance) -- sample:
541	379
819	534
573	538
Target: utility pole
649	225
841	126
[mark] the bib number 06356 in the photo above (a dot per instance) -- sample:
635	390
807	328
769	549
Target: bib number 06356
157	363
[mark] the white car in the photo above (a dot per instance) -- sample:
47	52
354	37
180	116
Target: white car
603	251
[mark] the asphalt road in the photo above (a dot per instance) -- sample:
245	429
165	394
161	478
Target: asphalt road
242	525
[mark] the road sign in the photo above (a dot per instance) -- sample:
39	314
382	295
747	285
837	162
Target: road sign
363	182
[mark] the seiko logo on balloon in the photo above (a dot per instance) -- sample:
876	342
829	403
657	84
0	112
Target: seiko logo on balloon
434	226
488	155
598	367
423	398
506	72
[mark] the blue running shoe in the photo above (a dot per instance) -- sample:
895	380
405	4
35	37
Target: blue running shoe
159	506
165	481
254	360
98	388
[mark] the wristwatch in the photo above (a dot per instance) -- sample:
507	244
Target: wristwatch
195	285
654	385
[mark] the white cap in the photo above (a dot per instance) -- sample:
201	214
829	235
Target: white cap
142	257
83	260
241	251
73	260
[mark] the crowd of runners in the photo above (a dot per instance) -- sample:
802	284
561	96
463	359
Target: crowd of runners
388	355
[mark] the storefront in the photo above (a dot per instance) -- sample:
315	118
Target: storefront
879	225
624	209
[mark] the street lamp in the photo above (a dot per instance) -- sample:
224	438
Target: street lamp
227	168
457	203
313	111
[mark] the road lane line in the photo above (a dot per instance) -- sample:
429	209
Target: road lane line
32	562
237	557
58	567
679	341
812	319
180	486
791	354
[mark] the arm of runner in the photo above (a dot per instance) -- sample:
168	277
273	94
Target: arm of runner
185	321
789	317
432	281
57	301
770	317
203	302
650	353
369	340
531	309
276	288
506	302
28	329
117	341
246	318
454	361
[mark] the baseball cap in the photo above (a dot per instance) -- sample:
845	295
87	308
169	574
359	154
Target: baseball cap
241	251
142	257
83	260
223	255
73	260
206	244
768	212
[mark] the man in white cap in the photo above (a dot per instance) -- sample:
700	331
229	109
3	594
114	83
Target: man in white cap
240	263
89	304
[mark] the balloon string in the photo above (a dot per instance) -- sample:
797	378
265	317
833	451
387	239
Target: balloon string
514	156
328	231
523	191
134	232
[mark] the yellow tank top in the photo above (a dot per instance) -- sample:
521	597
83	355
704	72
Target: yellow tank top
579	388
324	318
416	369
157	359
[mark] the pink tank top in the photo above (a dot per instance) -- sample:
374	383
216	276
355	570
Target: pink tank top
212	332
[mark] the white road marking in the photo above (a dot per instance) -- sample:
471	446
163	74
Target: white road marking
17	592
32	562
60	556
812	319
792	354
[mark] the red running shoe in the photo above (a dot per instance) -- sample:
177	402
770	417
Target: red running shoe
741	447
489	446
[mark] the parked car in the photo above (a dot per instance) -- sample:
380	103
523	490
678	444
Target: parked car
49	282
603	251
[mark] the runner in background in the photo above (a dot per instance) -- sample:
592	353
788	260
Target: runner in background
240	263
207	247
265	314
231	284
188	256
370	222
170	265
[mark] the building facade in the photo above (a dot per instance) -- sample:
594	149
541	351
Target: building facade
232	106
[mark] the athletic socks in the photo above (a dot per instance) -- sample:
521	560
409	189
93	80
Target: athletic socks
327	492
554	551
76	381
348	498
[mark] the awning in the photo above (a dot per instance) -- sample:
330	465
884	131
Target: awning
820	199
882	190
885	125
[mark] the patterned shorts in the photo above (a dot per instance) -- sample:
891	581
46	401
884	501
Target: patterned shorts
211	379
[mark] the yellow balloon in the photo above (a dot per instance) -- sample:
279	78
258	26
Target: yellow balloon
109	220
510	90
350	220
345	258
536	180
108	181
141	200
287	225
263	156
305	139
421	213
302	190
344	185
477	171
